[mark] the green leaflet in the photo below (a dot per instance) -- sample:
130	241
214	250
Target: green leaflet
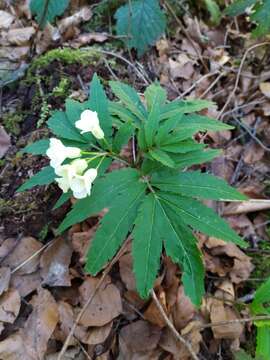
178	107
239	7
115	183
124	133
129	98
116	109
201	218
182	147
262	296
61	127
162	157
201	123
196	184
44	177
180	245
46	13
114	227
155	94
214	10
37	148
147	244
195	157
263	343
143	21
151	124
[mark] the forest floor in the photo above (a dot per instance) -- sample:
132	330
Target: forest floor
43	286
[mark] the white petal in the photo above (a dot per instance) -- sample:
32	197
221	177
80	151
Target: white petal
72	152
79	166
77	184
83	125
98	132
63	184
90	175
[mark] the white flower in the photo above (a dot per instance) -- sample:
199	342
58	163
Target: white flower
68	172
89	122
58	152
81	185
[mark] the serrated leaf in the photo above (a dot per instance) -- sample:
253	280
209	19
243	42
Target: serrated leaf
201	218
143	20
261	16
59	124
180	245
44	177
197	184
182	147
201	123
195	157
147	244
239	7
37	148
46	11
98	102
122	136
114	227
124	114
263	343
155	94
115	183
129	98
162	157
178	107
151	124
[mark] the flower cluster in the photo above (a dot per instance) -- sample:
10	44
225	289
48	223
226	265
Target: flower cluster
75	176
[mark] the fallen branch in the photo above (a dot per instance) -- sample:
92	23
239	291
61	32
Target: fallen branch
170	325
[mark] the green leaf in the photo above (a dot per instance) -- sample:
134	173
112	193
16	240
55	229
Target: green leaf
115	183
197	184
182	147
195	157
73	110
59	124
239	7
98	102
162	157
129	98
114	227
180	245
46	11
263	343
262	296
214	10
178	107
122	136
143	21
261	16
201	218
37	148
124	114
63	198
151	124
155	94
201	123
147	245
44	177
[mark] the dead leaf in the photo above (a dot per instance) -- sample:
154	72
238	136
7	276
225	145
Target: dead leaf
182	67
265	88
20	36
13	348
6	19
40	324
10	303
4	279
25	248
85	39
81	241
152	313
183	310
54	263
70	354
139	336
99	334
253	153
14	53
25	284
4	142
244	207
126	272
83	14
105	306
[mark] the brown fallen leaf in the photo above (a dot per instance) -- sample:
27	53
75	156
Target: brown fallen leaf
25	284
98	335
54	263
13	348
70	354
85	39
4	279
152	313
40	324
14	53
4	142
20	36
253	153
182	67
244	207
138	337
126	272
26	247
183	310
265	89
10	303
6	19
106	304
82	15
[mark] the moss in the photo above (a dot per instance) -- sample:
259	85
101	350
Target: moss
11	122
62	88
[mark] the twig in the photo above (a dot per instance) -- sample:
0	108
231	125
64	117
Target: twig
212	84
235	321
89	301
239	75
196	83
179	337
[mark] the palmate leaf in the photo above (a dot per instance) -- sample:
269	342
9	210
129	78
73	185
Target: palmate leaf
182	147
179	243
123	135
196	184
200	217
239	7
143	21
201	123
155	94
105	190
194	157
37	148
117	109
178	107
263	343
162	157
44	177
47	11
114	227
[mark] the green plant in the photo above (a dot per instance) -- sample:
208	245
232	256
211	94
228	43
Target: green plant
154	198
47	10
259	12
141	23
